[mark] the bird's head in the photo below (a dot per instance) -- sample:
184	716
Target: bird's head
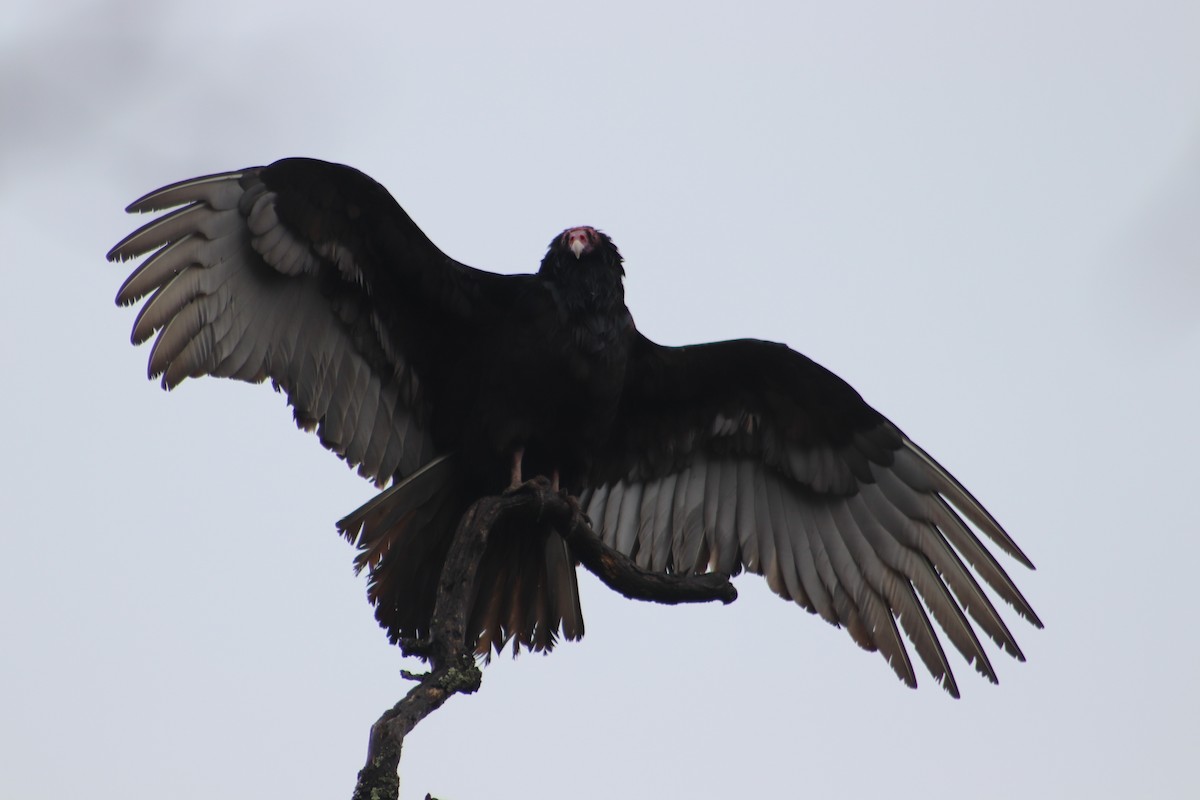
582	247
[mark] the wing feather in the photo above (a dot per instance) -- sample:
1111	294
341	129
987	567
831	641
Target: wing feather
764	533
624	532
219	191
657	547
727	553
880	627
691	555
595	507
746	520
802	528
915	467
640	551
612	504
931	539
782	528
897	592
878	519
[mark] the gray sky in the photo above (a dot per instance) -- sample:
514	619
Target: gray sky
982	215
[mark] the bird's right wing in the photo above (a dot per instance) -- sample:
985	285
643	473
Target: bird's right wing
310	274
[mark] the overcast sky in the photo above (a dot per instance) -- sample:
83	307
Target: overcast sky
982	215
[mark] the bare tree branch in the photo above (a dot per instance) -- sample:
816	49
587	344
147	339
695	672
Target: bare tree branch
451	656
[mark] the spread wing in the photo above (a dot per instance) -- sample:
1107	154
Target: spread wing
746	454
310	274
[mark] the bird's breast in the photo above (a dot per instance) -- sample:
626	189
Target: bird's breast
550	386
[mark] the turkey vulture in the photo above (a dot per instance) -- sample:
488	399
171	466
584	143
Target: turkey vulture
451	383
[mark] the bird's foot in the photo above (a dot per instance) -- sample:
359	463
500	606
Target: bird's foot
536	485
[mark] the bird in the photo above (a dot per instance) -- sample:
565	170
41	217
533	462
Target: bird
445	383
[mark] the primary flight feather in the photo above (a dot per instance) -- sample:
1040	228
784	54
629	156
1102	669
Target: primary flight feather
452	383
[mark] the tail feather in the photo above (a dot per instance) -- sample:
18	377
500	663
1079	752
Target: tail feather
525	588
369	525
526	592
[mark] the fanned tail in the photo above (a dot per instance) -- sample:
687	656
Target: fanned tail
525	589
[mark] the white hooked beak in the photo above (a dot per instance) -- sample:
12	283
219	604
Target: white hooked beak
579	241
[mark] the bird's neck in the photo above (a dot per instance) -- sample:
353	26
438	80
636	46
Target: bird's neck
588	289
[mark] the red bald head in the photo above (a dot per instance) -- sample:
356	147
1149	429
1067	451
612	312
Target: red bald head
580	240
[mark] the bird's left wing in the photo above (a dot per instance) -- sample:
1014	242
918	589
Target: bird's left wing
310	274
746	454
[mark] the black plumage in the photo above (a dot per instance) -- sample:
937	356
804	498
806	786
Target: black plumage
451	382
